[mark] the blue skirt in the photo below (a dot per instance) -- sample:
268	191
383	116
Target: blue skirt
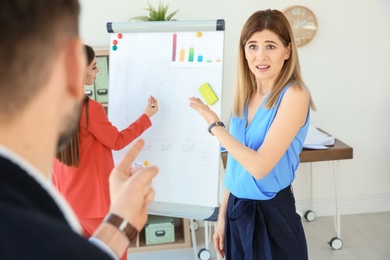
264	229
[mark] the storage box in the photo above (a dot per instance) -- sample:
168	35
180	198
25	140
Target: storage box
159	230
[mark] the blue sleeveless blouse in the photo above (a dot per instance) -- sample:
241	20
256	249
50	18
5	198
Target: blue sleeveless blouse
238	180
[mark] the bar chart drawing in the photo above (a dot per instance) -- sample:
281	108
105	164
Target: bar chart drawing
197	49
171	65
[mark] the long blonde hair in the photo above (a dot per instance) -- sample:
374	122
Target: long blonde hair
275	21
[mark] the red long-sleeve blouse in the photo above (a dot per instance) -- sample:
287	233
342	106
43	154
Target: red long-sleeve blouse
86	188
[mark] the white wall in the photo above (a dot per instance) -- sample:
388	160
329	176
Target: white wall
345	66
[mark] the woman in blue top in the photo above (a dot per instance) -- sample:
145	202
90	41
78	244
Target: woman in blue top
257	218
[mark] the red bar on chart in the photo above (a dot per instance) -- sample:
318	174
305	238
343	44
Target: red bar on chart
174	47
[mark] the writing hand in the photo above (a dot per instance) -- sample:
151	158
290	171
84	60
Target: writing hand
151	107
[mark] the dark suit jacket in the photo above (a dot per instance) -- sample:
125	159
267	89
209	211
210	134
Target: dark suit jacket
32	226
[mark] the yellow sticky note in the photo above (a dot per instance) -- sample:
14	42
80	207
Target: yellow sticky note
208	94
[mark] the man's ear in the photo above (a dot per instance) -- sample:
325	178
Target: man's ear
75	67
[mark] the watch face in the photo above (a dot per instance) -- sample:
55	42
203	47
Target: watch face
303	23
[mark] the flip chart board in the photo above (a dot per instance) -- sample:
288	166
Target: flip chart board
171	60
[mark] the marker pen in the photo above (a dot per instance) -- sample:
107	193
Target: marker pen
150	96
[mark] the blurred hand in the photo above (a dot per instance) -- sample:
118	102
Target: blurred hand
218	239
150	110
131	188
209	115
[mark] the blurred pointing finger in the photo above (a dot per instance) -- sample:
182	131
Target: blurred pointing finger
131	154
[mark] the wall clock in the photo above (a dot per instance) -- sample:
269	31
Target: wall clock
303	23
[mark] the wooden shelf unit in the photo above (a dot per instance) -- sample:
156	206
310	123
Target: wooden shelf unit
182	239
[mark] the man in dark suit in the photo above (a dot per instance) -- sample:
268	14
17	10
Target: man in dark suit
42	64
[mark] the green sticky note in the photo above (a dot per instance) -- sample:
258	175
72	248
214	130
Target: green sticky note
208	94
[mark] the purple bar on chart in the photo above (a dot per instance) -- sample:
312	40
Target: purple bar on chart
200	58
174	47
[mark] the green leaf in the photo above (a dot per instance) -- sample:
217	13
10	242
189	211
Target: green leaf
159	14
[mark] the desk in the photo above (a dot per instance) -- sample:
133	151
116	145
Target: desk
336	152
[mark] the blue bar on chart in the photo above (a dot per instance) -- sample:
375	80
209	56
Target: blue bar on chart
200	58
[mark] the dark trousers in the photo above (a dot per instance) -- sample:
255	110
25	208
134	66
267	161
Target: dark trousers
264	229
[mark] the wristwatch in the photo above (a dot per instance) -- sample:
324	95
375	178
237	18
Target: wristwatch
123	226
215	124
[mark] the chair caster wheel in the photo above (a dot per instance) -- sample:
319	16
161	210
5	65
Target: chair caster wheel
310	215
204	254
336	243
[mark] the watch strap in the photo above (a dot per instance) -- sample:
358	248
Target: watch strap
123	225
215	124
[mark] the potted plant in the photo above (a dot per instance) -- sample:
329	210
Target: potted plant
159	14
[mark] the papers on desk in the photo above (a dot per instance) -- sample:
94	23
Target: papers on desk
316	139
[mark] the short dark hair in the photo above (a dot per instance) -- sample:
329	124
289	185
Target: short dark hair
32	32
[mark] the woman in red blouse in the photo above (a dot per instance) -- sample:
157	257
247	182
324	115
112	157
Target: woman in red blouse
81	169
